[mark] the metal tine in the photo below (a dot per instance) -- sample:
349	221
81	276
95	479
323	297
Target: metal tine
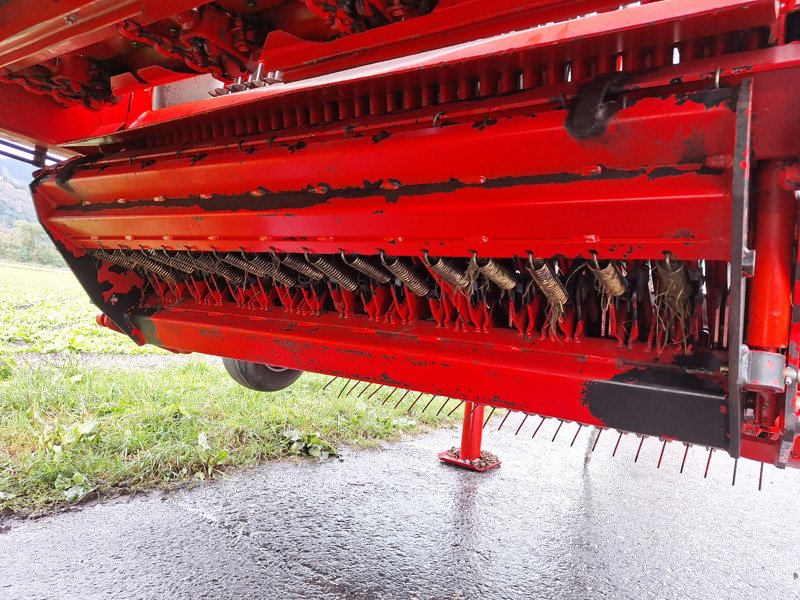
375	391
641	441
575	437
538	427
760	476
708	462
504	420
597	439
446	400
474	406
619	439
361	393
344	387
735	464
325	387
560	423
414	402
685	454
403	397
460	402
486	422
350	391
525	418
661	456
385	400
429	403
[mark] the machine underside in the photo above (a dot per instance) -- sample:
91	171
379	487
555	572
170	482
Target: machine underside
591	218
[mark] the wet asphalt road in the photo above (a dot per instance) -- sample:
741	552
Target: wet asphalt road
395	523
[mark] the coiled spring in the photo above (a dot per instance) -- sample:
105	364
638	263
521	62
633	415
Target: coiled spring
171	261
367	267
115	259
145	262
298	264
495	272
336	273
612	283
208	264
546	279
261	267
400	269
447	270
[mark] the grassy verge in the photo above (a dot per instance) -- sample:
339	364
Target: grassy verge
45	310
69	433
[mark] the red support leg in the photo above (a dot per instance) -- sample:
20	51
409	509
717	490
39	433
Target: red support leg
469	456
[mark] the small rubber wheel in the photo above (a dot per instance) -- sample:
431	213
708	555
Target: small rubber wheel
258	377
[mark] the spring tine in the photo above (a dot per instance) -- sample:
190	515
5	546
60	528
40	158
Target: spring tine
538	427
361	393
446	400
560	423
524	418
641	441
474	406
385	400
575	437
350	391
599	433
330	382
460	402
344	387
685	453
504	420
760	476
661	456
403	397
429	403
491	412
619	439
708	462
375	391
735	464
414	402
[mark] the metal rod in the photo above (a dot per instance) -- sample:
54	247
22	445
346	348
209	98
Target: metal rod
538	427
641	441
375	391
708	462
344	387
560	423
599	432
403	397
330	382
619	439
414	402
385	400
460	402
760	476
685	454
735	464
446	400
661	456
361	393
504	420
575	437
525	418
491	412
429	403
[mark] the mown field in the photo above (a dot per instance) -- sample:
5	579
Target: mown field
73	427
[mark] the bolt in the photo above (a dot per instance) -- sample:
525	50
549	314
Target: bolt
71	19
788	381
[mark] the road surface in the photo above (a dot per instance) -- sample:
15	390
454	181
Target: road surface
394	523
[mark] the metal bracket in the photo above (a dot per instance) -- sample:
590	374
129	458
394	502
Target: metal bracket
742	262
590	116
761	371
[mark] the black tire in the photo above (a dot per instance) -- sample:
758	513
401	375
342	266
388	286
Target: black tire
258	377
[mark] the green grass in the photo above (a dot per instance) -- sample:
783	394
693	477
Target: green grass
45	310
71	433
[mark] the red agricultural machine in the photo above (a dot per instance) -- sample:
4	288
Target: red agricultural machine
573	209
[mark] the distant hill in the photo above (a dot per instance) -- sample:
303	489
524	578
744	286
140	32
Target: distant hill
15	198
17	171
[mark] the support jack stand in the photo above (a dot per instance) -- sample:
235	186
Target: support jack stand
469	456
